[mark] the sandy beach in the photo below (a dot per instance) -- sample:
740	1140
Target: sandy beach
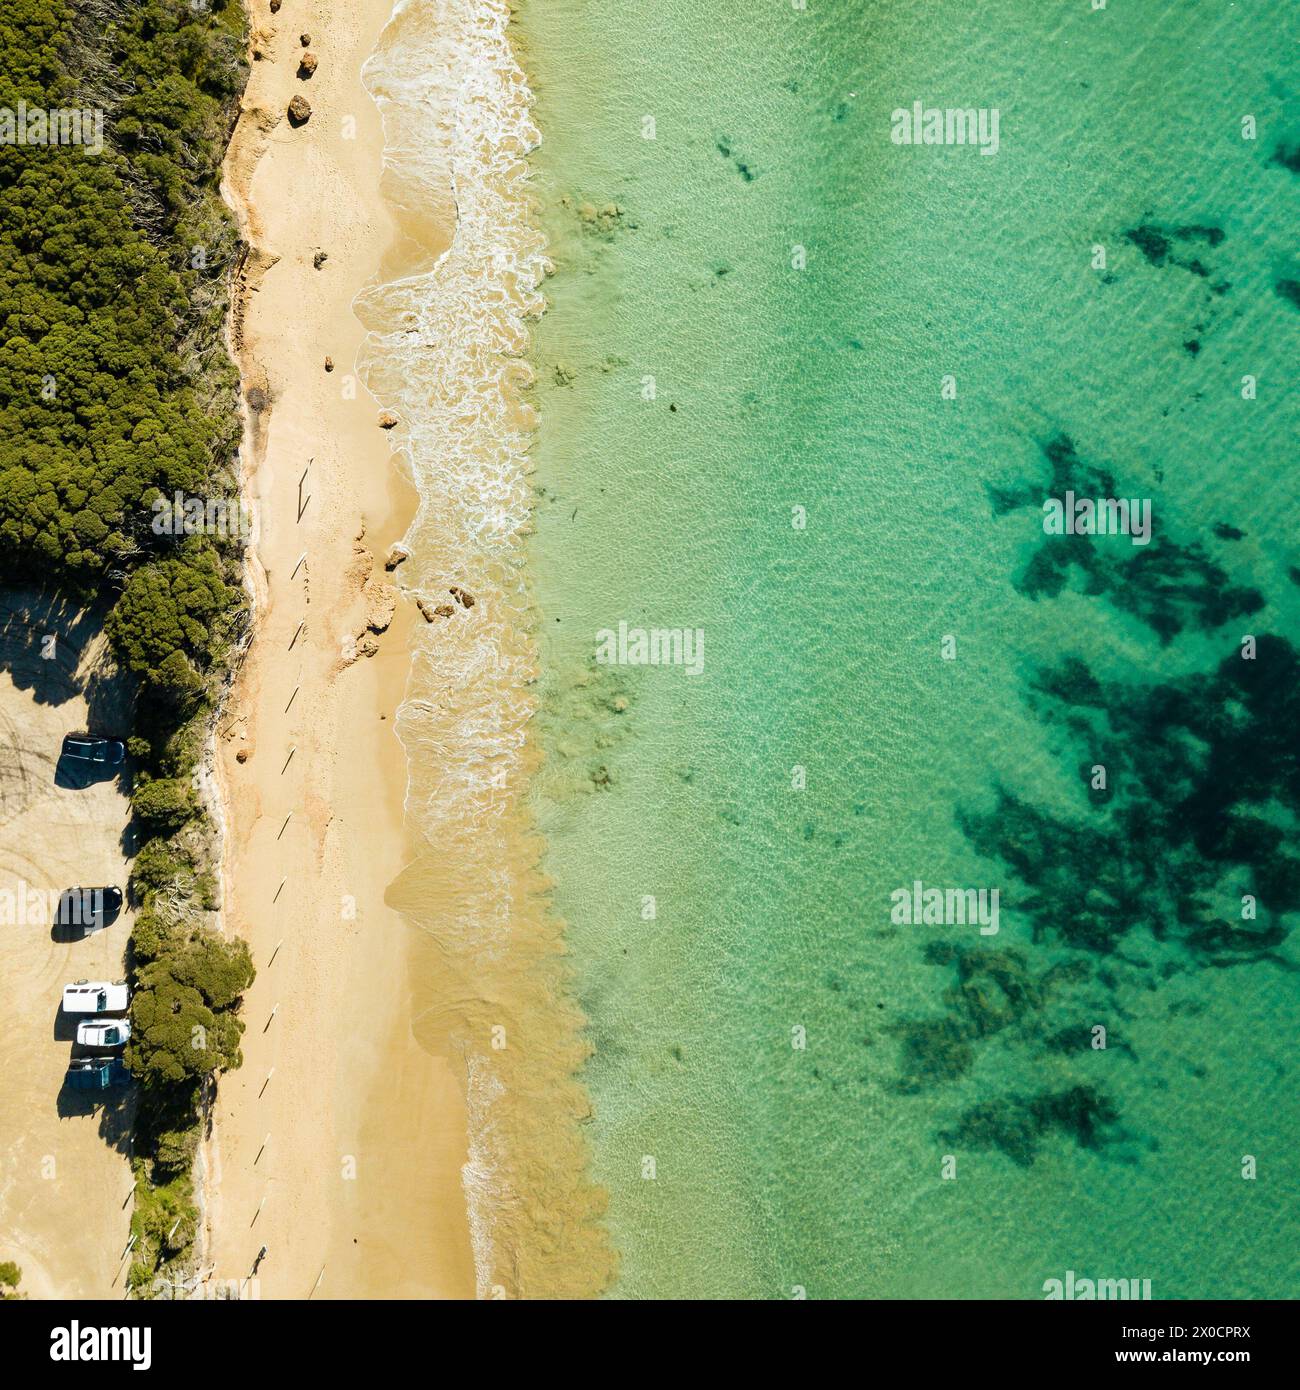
339	1144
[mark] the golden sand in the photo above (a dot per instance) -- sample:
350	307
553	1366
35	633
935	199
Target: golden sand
339	1144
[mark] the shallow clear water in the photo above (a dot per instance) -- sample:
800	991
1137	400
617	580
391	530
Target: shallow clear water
776	1167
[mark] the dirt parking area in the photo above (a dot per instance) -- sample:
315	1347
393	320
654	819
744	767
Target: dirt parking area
65	1181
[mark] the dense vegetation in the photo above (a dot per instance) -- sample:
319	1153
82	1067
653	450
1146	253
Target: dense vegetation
115	390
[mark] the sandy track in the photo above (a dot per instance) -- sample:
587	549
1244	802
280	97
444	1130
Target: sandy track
65	1180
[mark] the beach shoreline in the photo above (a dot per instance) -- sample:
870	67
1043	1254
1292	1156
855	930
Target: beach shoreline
339	1144
409	1120
451	351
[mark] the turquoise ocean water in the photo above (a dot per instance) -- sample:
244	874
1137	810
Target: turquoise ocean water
743	431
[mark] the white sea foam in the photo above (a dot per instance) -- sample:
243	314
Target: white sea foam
444	350
480	1176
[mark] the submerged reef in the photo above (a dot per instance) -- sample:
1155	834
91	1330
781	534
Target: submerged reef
1176	857
1157	244
1201	773
1184	246
995	992
1017	1125
1164	584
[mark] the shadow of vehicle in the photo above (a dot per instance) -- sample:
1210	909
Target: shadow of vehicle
114	1104
65	1026
79	776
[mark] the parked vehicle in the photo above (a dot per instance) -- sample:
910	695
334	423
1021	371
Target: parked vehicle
93	909
96	997
97	1073
85	748
107	1032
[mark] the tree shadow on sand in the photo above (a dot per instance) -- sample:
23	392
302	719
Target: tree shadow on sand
44	643
57	652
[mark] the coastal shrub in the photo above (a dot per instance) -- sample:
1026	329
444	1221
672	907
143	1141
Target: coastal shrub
207	890
180	748
159	864
176	1148
164	1224
182	1021
220	969
174	1034
10	1277
162	624
164	804
150	934
112	270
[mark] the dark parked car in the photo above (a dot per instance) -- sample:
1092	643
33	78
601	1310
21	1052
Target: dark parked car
92	909
83	748
97	1073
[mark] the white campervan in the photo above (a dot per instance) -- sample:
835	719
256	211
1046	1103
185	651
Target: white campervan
96	997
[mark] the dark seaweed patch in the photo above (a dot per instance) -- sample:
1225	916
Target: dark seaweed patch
1157	244
1182	860
745	170
1212	236
1077	1038
1166	585
1289	290
1288	156
1152	242
1017	1125
933	1050
994	992
1205	774
1162	246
